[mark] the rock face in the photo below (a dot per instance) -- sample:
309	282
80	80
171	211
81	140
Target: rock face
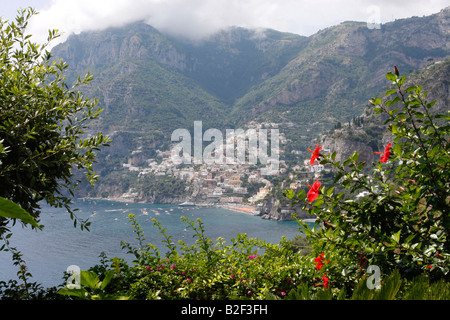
162	199
272	210
345	146
372	135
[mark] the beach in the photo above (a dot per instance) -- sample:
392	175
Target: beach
248	209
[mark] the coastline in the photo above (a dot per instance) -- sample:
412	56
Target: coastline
247	209
237	207
243	208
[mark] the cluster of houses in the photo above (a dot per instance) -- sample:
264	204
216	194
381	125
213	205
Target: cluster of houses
222	182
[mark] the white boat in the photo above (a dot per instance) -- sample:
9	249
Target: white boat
187	204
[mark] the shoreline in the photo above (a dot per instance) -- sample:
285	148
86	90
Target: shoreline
247	209
242	208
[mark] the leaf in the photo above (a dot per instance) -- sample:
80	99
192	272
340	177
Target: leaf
9	209
89	279
396	236
411	89
397	149
390	287
407	240
392	102
108	276
391	92
76	292
390	76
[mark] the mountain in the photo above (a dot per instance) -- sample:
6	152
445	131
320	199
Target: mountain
150	73
149	84
330	80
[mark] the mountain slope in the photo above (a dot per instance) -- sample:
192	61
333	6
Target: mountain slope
371	135
150	84
342	65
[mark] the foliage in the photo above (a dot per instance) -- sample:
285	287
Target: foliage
400	227
402	221
207	271
90	287
24	290
9	209
42	123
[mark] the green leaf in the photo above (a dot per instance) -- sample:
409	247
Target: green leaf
76	292
9	209
398	149
108	276
412	236
89	279
390	76
396	236
392	102
388	93
411	89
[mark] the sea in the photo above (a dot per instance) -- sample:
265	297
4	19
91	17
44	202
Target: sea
49	252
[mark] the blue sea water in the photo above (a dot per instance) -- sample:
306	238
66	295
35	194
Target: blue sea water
48	253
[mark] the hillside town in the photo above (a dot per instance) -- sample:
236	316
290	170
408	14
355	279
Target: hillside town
239	186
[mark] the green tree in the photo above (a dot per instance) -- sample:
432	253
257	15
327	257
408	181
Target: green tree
43	122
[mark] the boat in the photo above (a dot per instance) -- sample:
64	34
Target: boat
187	204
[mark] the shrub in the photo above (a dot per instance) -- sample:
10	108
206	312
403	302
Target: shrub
402	223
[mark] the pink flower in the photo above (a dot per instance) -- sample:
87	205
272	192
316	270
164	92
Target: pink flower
253	257
147	267
172	266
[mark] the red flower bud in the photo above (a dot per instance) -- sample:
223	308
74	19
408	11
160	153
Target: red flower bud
396	71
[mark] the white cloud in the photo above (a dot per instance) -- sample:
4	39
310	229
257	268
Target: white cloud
199	18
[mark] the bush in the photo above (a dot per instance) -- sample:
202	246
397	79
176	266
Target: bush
402	223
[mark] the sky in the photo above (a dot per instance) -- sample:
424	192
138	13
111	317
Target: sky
196	19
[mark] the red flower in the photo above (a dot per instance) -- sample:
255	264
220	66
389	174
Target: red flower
313	192
325	282
319	260
386	153
315	154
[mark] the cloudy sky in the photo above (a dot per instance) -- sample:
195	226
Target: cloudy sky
198	18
